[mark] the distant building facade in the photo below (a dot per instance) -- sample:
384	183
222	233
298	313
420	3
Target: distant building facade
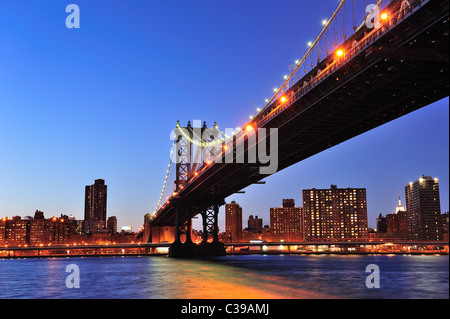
286	222
255	224
397	225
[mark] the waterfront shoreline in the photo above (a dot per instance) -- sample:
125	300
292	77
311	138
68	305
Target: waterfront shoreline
236	254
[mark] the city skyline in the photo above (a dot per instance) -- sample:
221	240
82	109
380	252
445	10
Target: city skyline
89	189
45	138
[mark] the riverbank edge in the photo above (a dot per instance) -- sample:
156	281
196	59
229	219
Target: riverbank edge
238	254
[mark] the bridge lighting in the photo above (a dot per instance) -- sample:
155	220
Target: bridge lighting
297	62
309	43
324	22
384	16
275	89
258	110
225	147
251	117
283	99
196	173
285	77
340	53
248	128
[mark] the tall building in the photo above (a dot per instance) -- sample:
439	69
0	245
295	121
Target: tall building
398	224
60	230
3	232
233	221
424	208
335	213
39	232
95	204
286	222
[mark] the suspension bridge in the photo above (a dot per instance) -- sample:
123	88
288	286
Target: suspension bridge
369	65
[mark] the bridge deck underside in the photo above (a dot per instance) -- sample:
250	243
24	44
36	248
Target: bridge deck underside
405	70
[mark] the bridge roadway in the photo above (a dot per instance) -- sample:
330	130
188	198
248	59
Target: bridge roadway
384	74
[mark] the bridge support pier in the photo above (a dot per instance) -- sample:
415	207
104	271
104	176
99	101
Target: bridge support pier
210	227
183	226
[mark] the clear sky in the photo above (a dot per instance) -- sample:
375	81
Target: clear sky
100	102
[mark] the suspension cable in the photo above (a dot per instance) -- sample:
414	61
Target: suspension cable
167	178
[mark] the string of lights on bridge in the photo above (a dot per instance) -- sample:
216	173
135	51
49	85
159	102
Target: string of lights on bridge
166	179
338	52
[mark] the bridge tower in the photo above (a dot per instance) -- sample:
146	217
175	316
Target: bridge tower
191	153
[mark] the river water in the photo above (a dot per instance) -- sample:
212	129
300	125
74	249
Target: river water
229	277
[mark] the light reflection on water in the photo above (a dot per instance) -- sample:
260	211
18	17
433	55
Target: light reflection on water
230	277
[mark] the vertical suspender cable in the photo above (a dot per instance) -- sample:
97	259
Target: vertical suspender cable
345	22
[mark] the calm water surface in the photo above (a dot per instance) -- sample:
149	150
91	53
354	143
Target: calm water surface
230	277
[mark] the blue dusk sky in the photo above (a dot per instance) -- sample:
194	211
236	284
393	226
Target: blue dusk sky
100	102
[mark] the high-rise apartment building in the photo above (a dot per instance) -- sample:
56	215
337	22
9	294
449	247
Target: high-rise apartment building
424	208
286	222
335	213
95	203
233	221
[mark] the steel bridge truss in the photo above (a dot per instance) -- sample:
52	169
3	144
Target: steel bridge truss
187	162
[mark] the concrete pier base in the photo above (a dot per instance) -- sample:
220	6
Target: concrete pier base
191	250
